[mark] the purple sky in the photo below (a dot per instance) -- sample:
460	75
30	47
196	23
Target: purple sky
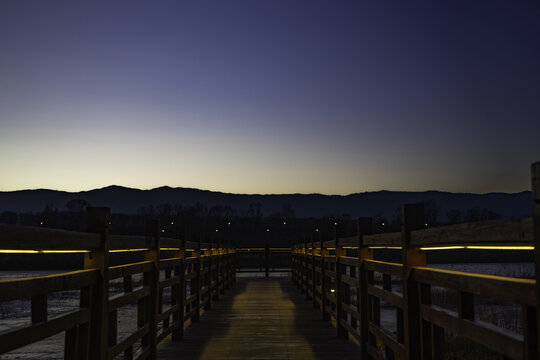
269	96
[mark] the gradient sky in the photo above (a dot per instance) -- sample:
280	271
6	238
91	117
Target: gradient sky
268	96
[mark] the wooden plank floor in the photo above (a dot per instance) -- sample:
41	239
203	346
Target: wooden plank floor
260	319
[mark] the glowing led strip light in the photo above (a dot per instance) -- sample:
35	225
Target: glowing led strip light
451	247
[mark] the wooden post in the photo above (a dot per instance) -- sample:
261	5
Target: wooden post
196	285
534	331
97	221
307	273
266	259
220	269
178	292
313	273
293	264
152	254
233	257
340	291
324	280
209	259
374	308
72	345
412	218
303	263
39	308
228	264
365	227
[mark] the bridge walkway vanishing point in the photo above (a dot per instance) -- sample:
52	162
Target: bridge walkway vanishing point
260	318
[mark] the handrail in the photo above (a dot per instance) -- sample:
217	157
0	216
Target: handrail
91	331
327	279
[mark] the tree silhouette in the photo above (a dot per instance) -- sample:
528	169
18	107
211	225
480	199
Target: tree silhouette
77	205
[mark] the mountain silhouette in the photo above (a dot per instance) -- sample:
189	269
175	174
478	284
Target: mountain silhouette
375	204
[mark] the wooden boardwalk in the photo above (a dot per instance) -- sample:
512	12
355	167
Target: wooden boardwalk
260	318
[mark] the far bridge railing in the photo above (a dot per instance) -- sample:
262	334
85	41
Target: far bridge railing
175	281
264	260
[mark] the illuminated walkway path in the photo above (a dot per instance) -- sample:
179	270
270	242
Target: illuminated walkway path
260	319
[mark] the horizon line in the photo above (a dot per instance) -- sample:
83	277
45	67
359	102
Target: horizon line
263	194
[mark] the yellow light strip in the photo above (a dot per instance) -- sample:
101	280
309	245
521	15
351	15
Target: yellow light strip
442	248
480	247
168	249
386	247
12	251
127	250
502	247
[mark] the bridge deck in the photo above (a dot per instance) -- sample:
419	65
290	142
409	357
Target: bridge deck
260	319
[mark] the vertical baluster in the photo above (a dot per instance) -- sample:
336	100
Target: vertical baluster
534	331
340	287
412	218
152	277
197	282
293	259
374	308
208	260
432	335
83	351
71	344
466	305
267	255
325	286
39	308
113	328
178	292
97	221
530	333
128	287
365	227
307	273
313	273
168	272
221	279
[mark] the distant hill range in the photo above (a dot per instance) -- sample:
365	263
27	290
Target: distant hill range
380	204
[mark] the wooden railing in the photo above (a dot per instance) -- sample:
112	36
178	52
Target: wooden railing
330	272
197	274
264	259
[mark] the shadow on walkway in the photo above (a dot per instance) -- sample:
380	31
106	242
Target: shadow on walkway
261	319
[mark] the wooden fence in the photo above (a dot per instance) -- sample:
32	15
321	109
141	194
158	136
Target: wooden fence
197	274
343	286
264	259
338	277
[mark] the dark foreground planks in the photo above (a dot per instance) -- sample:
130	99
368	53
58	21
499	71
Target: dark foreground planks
260	319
